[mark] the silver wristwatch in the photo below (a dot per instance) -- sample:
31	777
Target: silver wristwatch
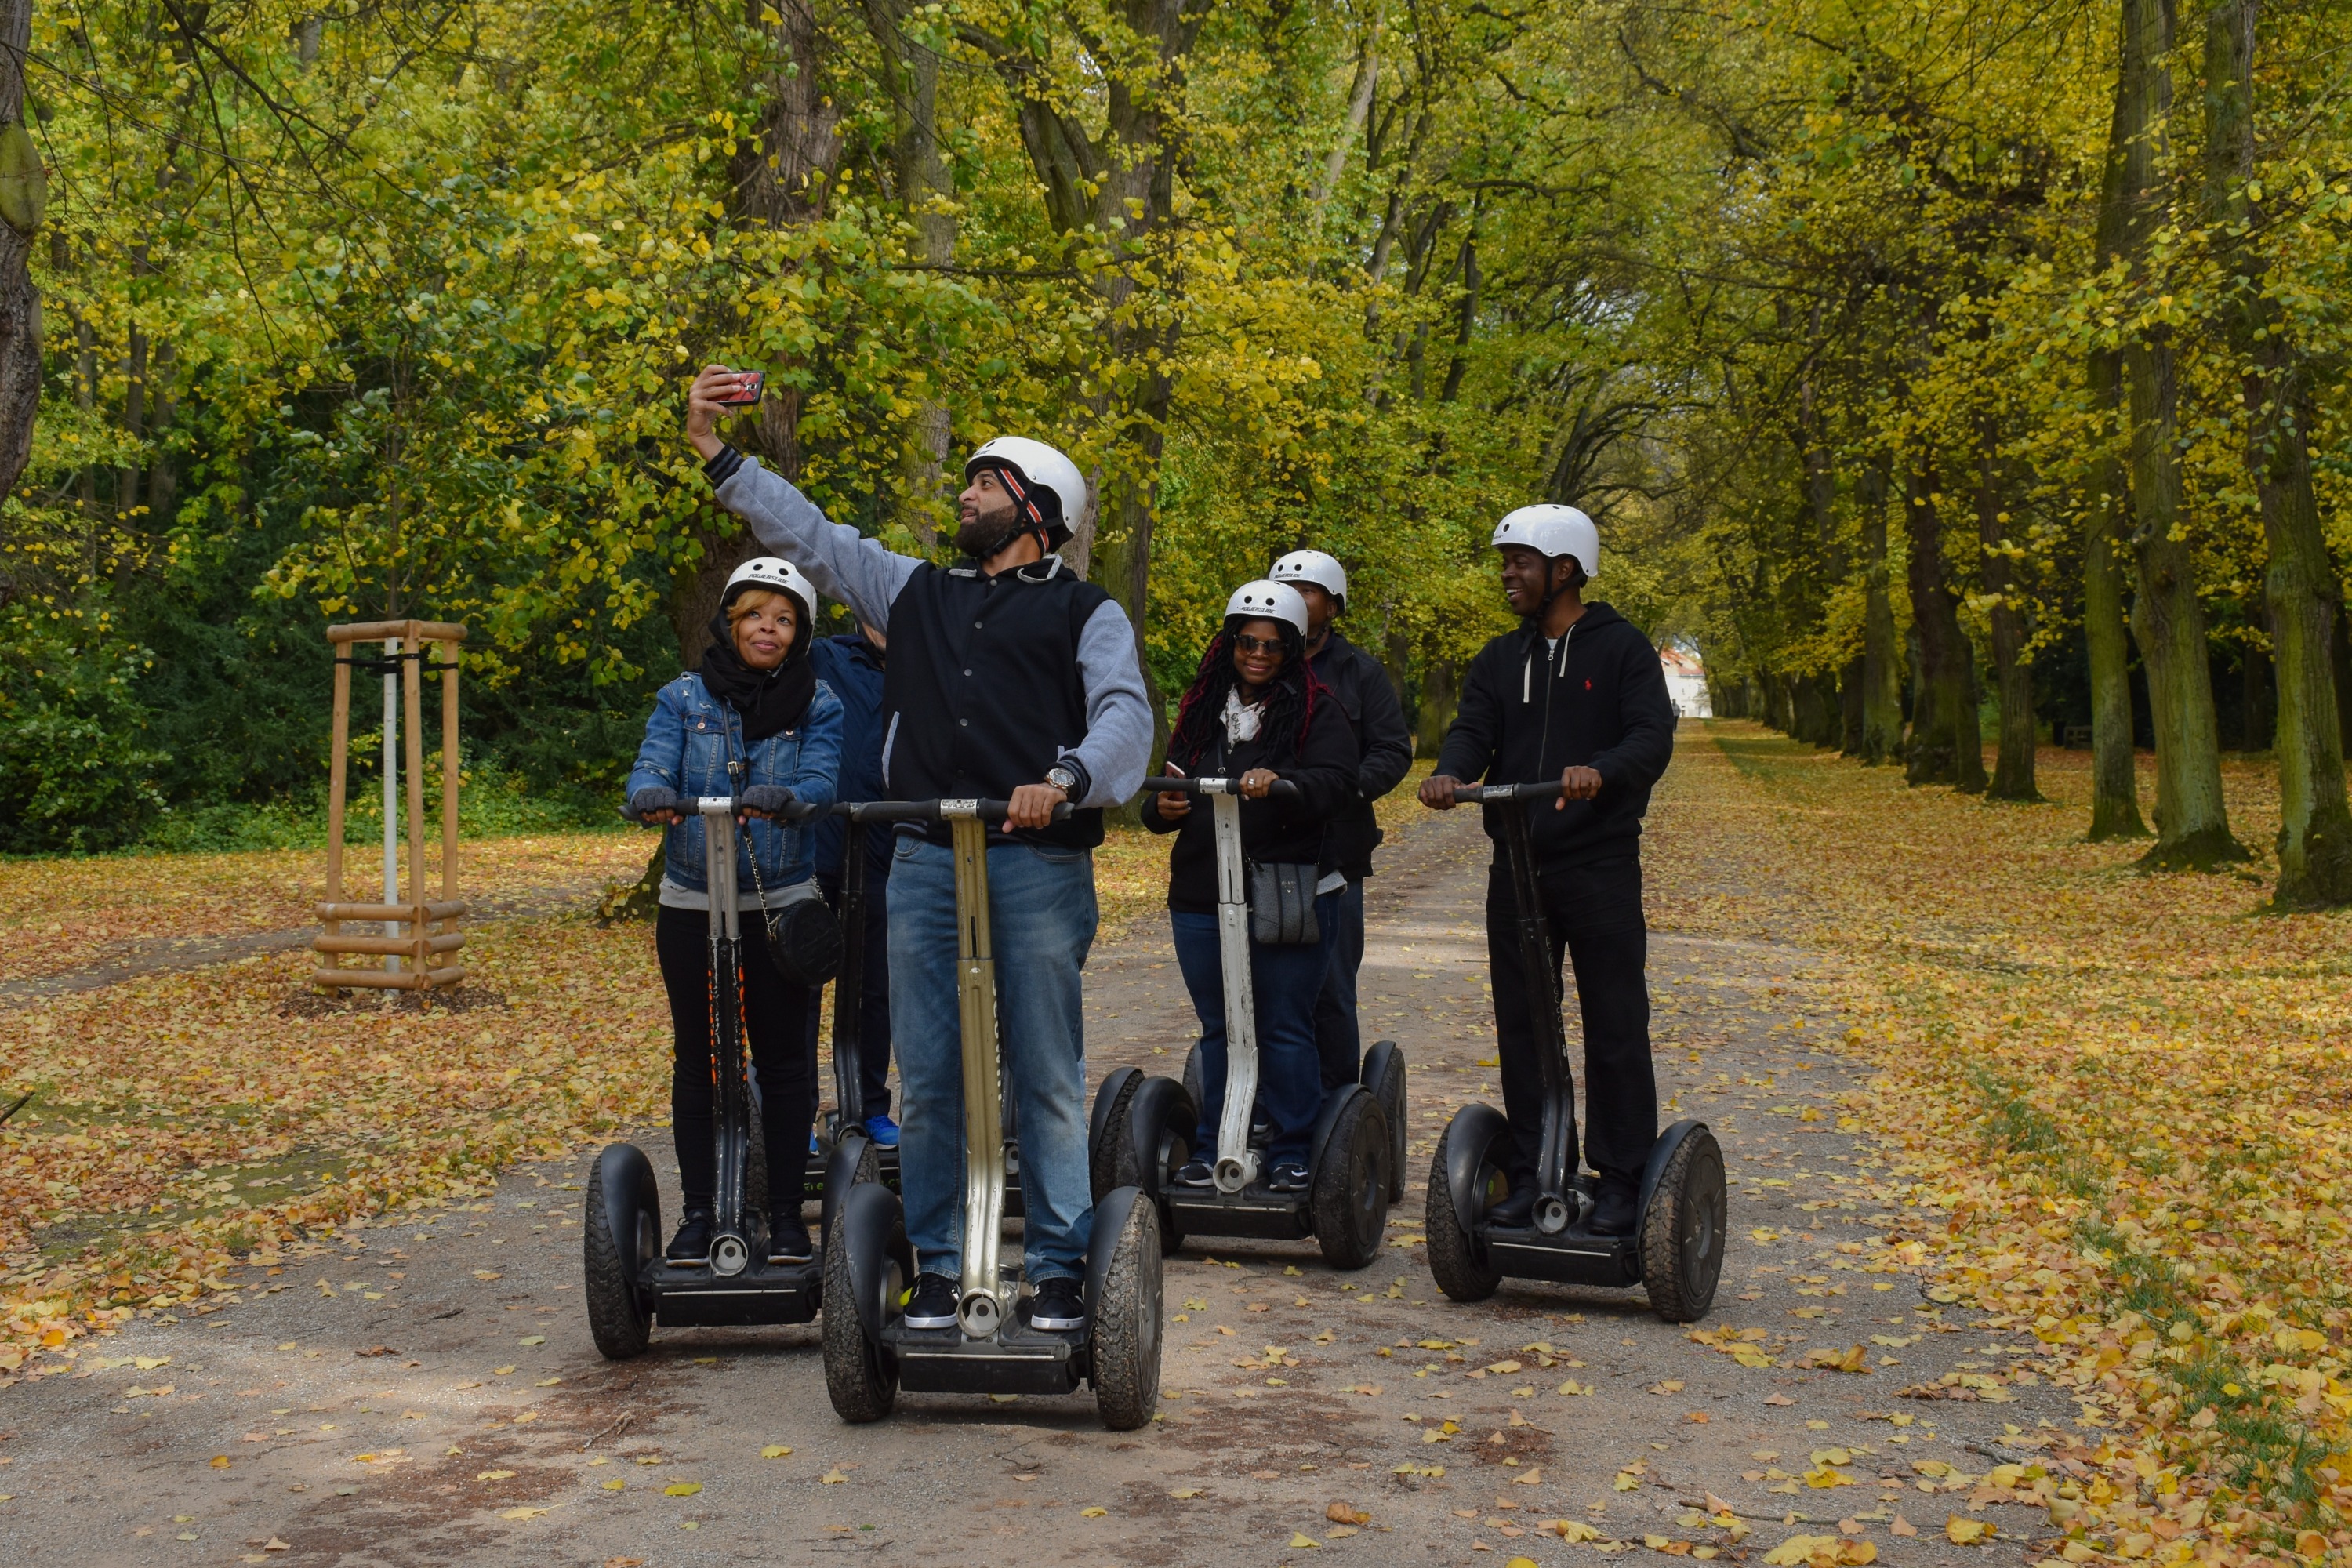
1061	779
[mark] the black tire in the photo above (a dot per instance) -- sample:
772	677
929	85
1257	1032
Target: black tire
617	1319
1350	1194
1455	1259
1390	1092
1126	1324
1683	1232
859	1376
1194	1085
1108	1154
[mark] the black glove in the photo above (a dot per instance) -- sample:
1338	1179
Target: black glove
766	798
652	798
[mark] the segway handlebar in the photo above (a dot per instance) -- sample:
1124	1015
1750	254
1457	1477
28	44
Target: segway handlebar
733	805
1281	789
1495	794
932	810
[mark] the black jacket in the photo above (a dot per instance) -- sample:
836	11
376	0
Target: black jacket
1271	830
1599	700
1383	747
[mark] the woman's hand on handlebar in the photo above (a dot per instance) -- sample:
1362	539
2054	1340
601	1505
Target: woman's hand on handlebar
1174	805
1437	791
656	806
1256	782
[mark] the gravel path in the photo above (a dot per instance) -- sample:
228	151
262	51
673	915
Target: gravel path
427	1393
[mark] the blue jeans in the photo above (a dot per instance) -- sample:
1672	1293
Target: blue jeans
1284	982
1042	917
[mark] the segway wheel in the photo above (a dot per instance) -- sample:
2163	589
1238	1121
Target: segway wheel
1455	1260
1195	1084
1384	1075
1106	1148
1127	1319
856	1379
1350	1193
1683	1231
617	1318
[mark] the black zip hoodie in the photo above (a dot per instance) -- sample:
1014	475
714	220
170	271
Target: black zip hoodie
1596	700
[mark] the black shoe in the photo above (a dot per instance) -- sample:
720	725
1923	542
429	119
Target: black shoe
932	1303
1617	1206
788	1239
1057	1305
1195	1173
691	1245
1290	1176
1516	1212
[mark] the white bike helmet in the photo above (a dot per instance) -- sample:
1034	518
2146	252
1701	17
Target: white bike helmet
1035	466
1268	600
777	575
1314	567
1552	531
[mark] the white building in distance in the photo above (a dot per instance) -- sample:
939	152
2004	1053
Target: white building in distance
1685	683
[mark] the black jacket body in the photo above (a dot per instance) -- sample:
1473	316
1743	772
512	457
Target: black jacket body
1597	700
1383	747
982	692
1271	830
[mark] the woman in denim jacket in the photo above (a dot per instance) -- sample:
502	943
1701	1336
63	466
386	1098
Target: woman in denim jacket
753	721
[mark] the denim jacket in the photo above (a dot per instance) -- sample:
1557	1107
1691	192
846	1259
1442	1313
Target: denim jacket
691	739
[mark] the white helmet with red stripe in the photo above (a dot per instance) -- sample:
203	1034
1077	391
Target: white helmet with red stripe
1037	467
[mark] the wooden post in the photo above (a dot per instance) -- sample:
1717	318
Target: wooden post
449	775
336	780
412	704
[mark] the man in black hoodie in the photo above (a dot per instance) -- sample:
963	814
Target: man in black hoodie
1577	688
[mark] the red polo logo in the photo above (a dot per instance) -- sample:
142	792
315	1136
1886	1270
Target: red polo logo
1588	686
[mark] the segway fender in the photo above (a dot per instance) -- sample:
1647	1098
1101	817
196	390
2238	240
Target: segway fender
870	1219
1111	1221
1474	1133
1105	1102
1333	1103
1376	1063
629	1191
1159	1103
849	1151
1662	1151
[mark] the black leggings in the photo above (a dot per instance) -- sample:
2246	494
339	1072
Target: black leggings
783	1059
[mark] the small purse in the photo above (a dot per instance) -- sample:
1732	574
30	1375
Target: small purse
803	937
1282	903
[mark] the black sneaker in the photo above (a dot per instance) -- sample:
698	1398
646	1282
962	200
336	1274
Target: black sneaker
690	1248
1618	1206
788	1239
1058	1304
1516	1212
1290	1176
1196	1173
931	1304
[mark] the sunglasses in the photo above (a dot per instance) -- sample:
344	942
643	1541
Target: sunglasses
1249	643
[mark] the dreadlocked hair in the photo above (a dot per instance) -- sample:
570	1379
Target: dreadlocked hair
1289	702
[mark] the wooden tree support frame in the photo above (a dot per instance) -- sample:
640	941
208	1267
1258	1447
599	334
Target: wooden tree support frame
433	936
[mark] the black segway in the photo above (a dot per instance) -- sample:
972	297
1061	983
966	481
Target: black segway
630	1284
869	1352
841	1128
1143	1127
1675	1252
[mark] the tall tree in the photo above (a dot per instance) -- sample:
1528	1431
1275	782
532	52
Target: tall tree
2012	774
24	196
2300	591
1947	745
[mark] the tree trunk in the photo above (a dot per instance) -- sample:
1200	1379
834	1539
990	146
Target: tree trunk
2314	841
2193	820
20	302
2255	699
1441	689
1849	684
1882	660
1946	747
1808	717
2012	774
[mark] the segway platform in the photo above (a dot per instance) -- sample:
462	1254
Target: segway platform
1143	1127
870	1353
1675	1251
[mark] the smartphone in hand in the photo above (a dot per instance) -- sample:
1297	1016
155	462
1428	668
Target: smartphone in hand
750	384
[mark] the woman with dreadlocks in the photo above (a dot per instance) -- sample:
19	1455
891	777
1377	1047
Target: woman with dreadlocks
1255	711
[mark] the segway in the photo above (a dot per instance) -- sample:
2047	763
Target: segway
869	1352
1675	1252
1144	1127
840	1128
630	1284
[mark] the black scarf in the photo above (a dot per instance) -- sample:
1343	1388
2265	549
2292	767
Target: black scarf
769	700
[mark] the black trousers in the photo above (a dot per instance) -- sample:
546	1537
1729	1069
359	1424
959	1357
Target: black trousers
1595	916
783	1061
874	1008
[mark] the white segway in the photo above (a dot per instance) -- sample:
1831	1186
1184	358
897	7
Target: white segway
1144	1127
